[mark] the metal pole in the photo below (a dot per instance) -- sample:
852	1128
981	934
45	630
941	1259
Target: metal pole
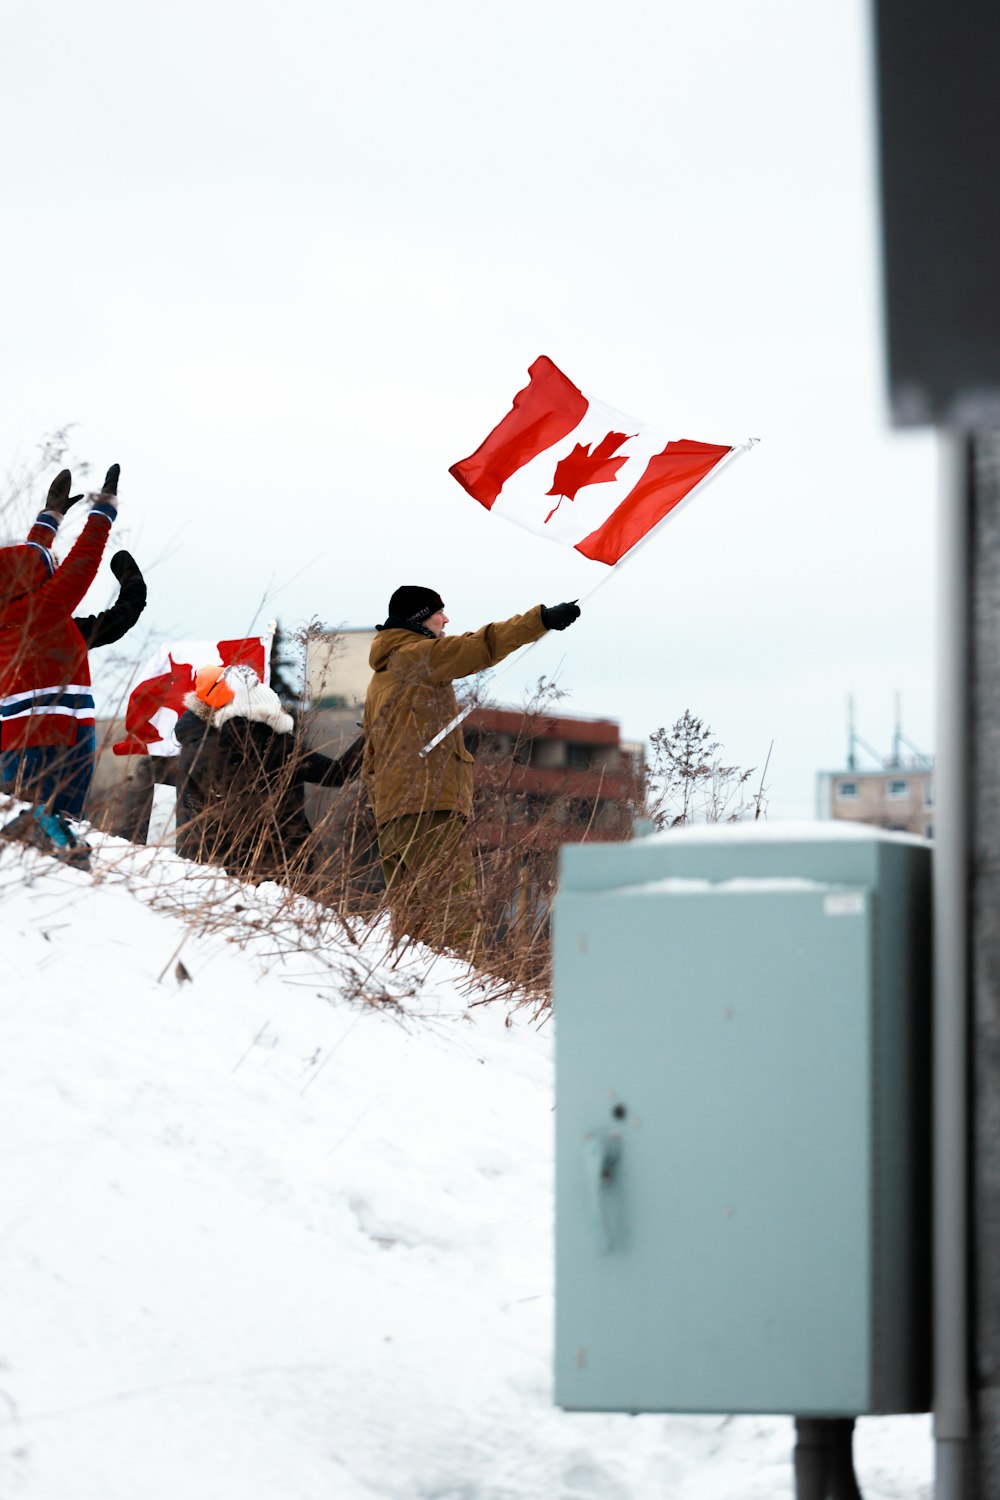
950	885
811	1459
824	1460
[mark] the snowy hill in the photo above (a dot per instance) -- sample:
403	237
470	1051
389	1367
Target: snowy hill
281	1229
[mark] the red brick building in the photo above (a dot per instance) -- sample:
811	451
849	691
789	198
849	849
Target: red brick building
570	779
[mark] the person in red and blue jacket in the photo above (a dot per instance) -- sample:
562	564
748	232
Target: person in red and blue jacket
46	703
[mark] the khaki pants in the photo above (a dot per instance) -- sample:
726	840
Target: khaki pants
430	880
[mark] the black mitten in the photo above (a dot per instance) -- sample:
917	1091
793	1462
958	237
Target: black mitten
110	485
124	566
58	499
559	616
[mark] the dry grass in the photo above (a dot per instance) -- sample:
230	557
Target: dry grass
686	781
328	891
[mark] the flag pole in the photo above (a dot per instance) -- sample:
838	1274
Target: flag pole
270	631
725	462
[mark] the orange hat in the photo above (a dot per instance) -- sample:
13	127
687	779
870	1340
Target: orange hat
212	688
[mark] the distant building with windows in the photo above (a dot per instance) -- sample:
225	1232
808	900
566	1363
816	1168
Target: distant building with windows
896	793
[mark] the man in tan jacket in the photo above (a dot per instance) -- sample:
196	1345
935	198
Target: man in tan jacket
423	803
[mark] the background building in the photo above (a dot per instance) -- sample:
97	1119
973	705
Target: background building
896	793
337	670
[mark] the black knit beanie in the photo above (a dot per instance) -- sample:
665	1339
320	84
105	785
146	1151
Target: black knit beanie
414	604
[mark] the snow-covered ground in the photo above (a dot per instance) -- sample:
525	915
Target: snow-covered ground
281	1229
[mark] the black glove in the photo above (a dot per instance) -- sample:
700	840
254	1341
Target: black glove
110	485
124	566
58	499
558	616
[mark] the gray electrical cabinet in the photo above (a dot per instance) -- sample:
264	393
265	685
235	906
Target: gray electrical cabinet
742	1120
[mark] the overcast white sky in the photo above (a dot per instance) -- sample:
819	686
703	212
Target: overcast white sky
286	262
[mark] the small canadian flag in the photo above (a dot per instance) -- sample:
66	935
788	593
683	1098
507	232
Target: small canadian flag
578	472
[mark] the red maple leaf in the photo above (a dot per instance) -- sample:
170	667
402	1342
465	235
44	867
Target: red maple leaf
166	691
585	466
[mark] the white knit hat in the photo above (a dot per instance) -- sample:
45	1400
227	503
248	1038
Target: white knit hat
252	700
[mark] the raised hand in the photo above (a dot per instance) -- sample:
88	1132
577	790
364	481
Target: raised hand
560	616
58	500
124	566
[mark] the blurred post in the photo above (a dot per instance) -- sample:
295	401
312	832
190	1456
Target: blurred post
951	973
984	917
938	83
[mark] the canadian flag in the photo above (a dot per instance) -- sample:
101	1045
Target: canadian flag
157	701
579	472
